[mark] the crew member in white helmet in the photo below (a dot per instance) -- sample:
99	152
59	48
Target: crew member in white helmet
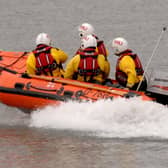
88	65
45	59
87	29
129	70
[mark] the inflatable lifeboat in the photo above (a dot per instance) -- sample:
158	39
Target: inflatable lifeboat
31	92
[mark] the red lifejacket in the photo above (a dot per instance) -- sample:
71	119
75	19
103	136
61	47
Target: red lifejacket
121	77
44	61
101	47
88	65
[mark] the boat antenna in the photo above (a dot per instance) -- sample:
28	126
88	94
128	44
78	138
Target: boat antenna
156	46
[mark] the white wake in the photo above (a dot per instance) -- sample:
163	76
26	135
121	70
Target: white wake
118	118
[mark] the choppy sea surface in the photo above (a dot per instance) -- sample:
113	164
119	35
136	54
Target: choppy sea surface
123	133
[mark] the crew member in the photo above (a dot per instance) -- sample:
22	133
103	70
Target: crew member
88	65
87	29
129	70
46	60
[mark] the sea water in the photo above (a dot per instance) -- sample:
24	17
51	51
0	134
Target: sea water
119	133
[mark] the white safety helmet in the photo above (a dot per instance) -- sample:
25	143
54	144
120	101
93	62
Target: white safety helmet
119	45
43	38
85	29
88	41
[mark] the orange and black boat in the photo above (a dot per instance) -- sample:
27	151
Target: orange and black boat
31	92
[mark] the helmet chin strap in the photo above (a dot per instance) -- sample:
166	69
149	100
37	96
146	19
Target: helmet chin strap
150	59
117	54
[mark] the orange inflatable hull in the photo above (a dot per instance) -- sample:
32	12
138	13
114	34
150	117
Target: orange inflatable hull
32	92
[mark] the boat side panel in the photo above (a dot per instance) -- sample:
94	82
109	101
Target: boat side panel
26	102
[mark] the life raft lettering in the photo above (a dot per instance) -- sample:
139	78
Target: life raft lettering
96	94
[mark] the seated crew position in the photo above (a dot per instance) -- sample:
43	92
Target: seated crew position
88	65
129	70
45	60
